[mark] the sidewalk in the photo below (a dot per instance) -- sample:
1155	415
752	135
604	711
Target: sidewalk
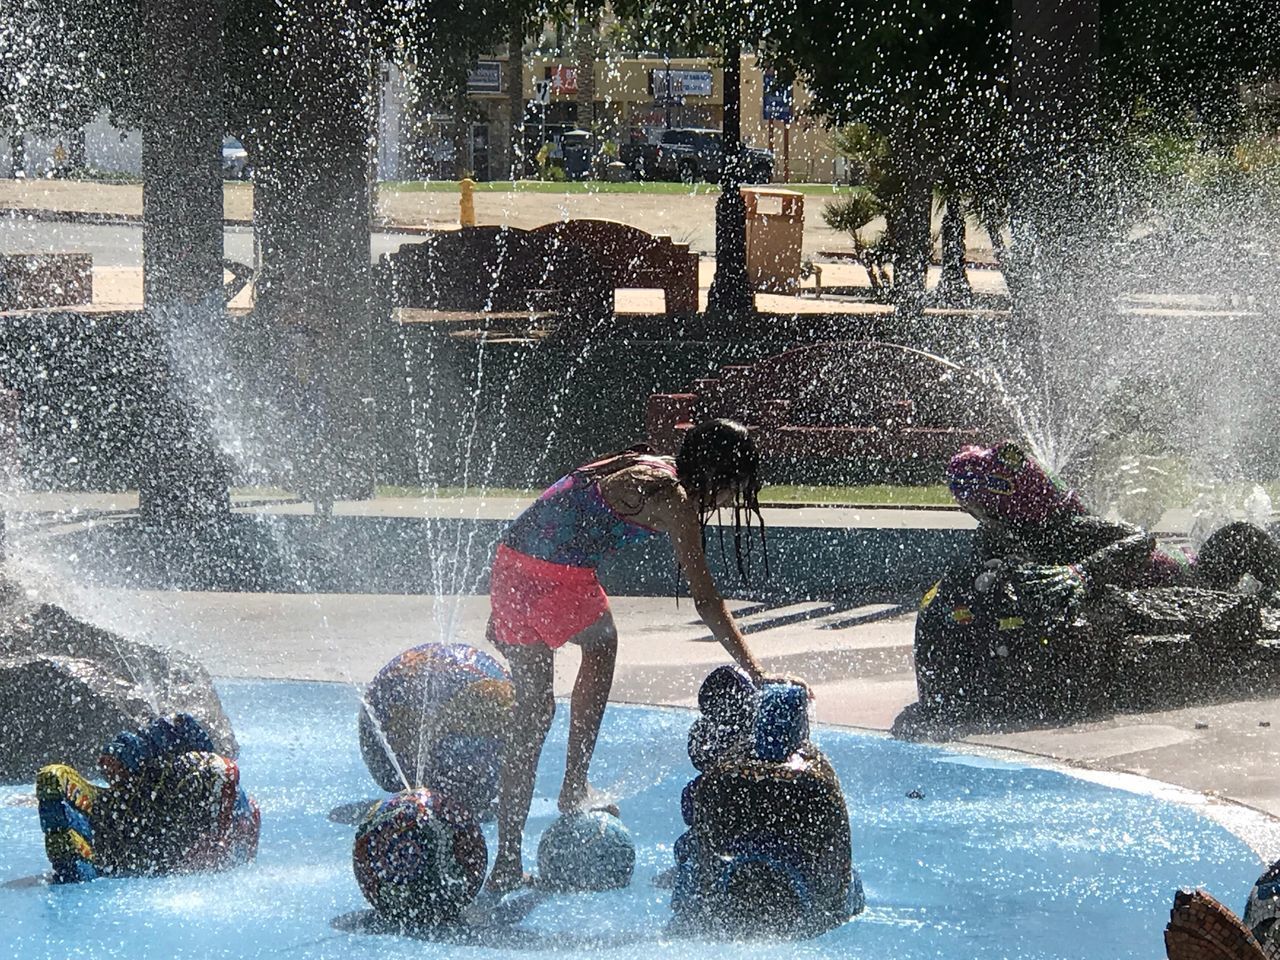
685	217
120	288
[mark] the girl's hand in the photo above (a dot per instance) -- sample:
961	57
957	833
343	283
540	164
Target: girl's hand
793	681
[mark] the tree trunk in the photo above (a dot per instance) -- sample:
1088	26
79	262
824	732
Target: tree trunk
731	296
1053	89
994	230
18	155
313	207
462	165
586	34
515	96
909	222
184	480
953	286
77	152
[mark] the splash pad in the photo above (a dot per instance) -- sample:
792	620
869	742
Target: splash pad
986	859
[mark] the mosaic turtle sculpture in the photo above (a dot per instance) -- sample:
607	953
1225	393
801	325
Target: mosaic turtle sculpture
1060	614
768	847
171	804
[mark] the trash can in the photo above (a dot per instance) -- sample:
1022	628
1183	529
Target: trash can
576	146
775	234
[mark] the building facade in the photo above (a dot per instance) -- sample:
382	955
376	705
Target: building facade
619	101
627	100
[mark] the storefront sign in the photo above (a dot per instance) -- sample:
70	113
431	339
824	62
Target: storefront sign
564	80
778	99
485	76
673	84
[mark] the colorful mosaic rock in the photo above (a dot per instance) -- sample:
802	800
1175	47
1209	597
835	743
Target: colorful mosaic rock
768	849
586	851
435	717
419	857
171	805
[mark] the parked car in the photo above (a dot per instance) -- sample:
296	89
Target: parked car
693	154
639	156
235	160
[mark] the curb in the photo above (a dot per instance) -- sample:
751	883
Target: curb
101	219
93	217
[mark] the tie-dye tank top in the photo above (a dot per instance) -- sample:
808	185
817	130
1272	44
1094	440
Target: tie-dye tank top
573	525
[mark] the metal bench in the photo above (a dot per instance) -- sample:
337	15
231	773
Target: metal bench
863	405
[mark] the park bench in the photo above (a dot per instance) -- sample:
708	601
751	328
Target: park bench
837	409
491	273
634	259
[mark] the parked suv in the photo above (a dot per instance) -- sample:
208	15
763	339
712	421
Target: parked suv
235	160
692	154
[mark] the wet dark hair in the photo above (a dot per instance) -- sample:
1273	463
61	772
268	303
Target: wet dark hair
719	455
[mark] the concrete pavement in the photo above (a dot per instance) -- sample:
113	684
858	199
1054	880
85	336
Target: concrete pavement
480	506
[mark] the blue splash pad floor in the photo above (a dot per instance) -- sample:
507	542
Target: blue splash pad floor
997	860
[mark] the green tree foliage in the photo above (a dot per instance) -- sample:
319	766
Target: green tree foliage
931	75
852	213
61	60
1167	62
932	78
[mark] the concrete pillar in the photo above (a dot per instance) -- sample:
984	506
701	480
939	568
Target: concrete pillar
184	481
1058	202
313	204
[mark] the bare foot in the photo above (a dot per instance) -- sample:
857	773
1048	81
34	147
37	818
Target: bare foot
506	877
484	910
585	801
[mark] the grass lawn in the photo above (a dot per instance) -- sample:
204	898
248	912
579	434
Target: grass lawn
864	495
548	186
867	495
651	187
648	187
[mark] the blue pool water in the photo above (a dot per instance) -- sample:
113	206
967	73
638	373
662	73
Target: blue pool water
996	860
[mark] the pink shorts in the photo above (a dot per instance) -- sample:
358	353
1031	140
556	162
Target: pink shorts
535	601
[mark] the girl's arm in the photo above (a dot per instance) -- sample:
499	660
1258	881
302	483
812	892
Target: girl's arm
674	513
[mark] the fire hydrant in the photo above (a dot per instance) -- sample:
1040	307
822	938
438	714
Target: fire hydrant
467	202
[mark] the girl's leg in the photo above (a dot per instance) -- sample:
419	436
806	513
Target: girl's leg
531	713
599	643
